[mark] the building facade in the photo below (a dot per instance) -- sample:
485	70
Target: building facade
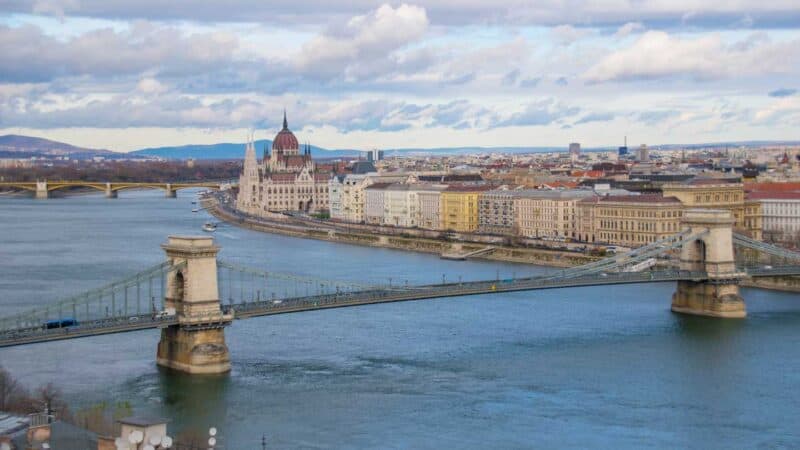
429	205
347	193
496	213
458	208
716	194
549	214
780	212
285	180
400	206
628	220
374	203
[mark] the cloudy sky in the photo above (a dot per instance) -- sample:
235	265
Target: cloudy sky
125	74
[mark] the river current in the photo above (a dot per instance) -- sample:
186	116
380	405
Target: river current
606	367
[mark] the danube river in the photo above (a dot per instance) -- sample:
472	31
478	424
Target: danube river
576	368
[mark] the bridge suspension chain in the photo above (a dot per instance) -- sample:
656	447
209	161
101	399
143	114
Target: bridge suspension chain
773	250
634	256
116	300
242	284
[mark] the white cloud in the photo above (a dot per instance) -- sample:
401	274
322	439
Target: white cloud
657	54
628	29
363	39
464	12
567	34
30	54
150	86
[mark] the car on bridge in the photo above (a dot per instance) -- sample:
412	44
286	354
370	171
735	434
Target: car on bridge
60	323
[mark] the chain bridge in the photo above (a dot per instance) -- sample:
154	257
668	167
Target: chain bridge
192	296
42	189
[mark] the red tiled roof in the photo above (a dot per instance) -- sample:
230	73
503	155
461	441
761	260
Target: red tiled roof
322	176
771	187
773	195
588	173
282	177
295	161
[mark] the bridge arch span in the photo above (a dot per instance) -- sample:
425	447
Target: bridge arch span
54	186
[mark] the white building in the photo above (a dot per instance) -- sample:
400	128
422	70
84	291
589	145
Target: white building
429	210
347	196
780	212
374	203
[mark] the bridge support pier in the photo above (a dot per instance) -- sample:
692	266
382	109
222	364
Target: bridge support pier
717	296
709	298
171	193
41	190
196	345
109	192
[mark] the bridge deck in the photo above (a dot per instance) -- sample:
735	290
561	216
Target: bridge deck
247	310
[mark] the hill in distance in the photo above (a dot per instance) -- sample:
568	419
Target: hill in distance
229	150
16	146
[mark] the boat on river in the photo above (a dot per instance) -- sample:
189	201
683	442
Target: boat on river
209	227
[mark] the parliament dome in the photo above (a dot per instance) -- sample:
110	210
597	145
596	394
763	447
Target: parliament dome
285	139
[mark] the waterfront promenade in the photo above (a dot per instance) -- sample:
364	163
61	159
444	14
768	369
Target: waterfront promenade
425	241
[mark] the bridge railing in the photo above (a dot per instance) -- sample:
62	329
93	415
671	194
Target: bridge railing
239	284
136	296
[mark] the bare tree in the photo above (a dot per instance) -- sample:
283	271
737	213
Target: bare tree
8	388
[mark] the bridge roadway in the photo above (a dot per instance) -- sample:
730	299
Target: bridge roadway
110	187
247	310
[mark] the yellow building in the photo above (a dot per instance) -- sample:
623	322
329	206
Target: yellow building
628	220
716	194
459	208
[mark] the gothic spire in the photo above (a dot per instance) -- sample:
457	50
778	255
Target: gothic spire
285	123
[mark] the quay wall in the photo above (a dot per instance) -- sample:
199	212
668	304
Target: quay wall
356	235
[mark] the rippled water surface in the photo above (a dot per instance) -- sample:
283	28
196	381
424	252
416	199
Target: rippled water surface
603	367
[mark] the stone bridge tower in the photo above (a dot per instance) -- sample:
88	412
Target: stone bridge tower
712	252
197	343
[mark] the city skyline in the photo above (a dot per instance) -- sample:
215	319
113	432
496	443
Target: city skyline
417	74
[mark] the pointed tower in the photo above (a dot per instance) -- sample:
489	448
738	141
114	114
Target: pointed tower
248	180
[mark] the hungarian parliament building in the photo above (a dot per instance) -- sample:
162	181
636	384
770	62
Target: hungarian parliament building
285	180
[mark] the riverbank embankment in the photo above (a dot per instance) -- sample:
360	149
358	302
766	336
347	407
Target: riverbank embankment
294	227
360	235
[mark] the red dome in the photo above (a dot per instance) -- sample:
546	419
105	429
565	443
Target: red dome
285	139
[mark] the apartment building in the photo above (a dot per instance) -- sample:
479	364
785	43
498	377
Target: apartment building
549	214
347	197
400	206
458	207
780	214
496	212
374	204
429	206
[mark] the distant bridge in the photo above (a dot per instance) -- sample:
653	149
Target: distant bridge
192	296
42	189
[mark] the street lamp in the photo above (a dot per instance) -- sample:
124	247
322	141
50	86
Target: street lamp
136	438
